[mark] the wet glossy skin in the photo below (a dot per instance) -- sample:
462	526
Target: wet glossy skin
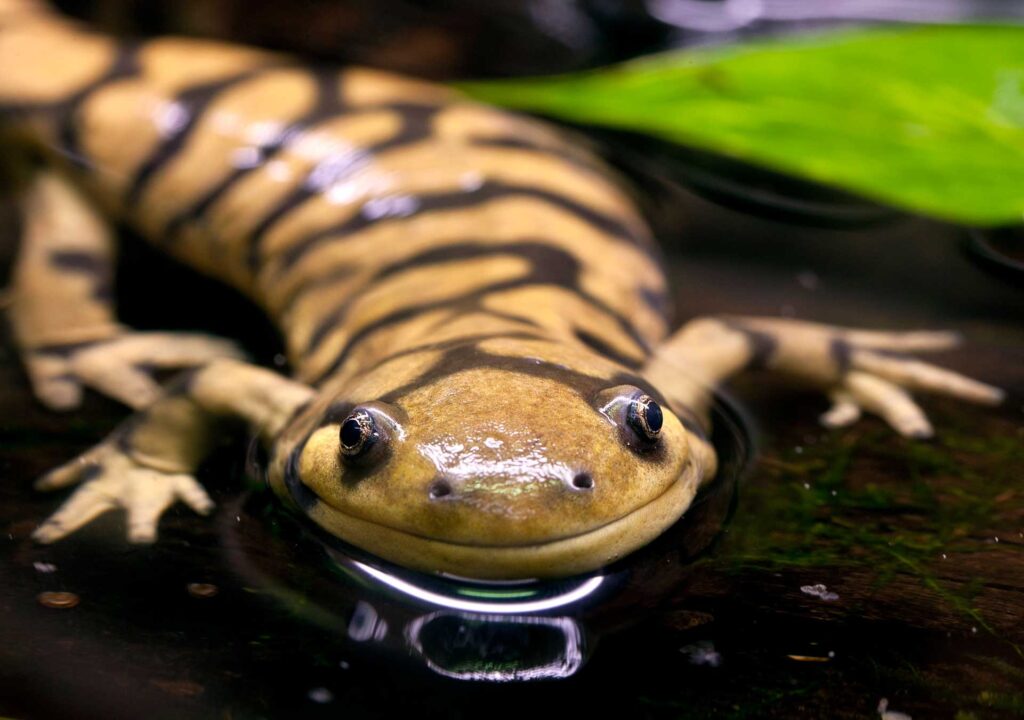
378	218
501	465
469	287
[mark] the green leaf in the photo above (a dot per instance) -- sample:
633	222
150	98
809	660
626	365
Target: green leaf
927	118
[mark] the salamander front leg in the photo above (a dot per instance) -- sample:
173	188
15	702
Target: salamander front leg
859	369
147	464
62	309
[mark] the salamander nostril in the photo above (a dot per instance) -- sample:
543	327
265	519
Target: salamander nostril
583	481
440	489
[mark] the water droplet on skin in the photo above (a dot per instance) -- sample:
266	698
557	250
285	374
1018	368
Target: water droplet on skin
170	118
264	133
390	206
246	158
471	181
58	600
202	590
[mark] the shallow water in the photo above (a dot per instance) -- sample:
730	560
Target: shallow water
918	545
837	569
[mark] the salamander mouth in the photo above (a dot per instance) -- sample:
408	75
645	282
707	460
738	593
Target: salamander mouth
559	557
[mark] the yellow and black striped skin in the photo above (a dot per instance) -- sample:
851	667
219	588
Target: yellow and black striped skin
470	295
477	282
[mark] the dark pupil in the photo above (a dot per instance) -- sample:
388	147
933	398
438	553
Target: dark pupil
654	417
351	433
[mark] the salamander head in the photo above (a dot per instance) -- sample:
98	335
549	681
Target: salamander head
498	466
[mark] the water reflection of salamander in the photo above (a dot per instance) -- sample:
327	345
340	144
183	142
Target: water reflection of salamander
484	379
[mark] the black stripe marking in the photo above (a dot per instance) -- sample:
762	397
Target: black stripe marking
762	345
605	350
415	125
125	65
193	103
448	200
65	350
567	153
658	301
327	105
842	354
455	342
549	266
97	269
470	357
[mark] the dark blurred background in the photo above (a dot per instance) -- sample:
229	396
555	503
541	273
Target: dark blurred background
444	39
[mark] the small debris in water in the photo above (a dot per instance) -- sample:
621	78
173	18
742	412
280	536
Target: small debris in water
974	630
887	714
702	653
202	590
321	695
44	568
944	556
831	653
280	360
344	665
819	591
807	486
809	658
58	599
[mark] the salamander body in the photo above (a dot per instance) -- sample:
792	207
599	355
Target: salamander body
484	379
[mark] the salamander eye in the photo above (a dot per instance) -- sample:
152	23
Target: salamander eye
358	435
368	434
645	417
636	414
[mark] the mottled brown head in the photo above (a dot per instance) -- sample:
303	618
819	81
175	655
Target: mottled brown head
506	459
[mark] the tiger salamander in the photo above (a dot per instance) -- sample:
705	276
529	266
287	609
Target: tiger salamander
485	382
